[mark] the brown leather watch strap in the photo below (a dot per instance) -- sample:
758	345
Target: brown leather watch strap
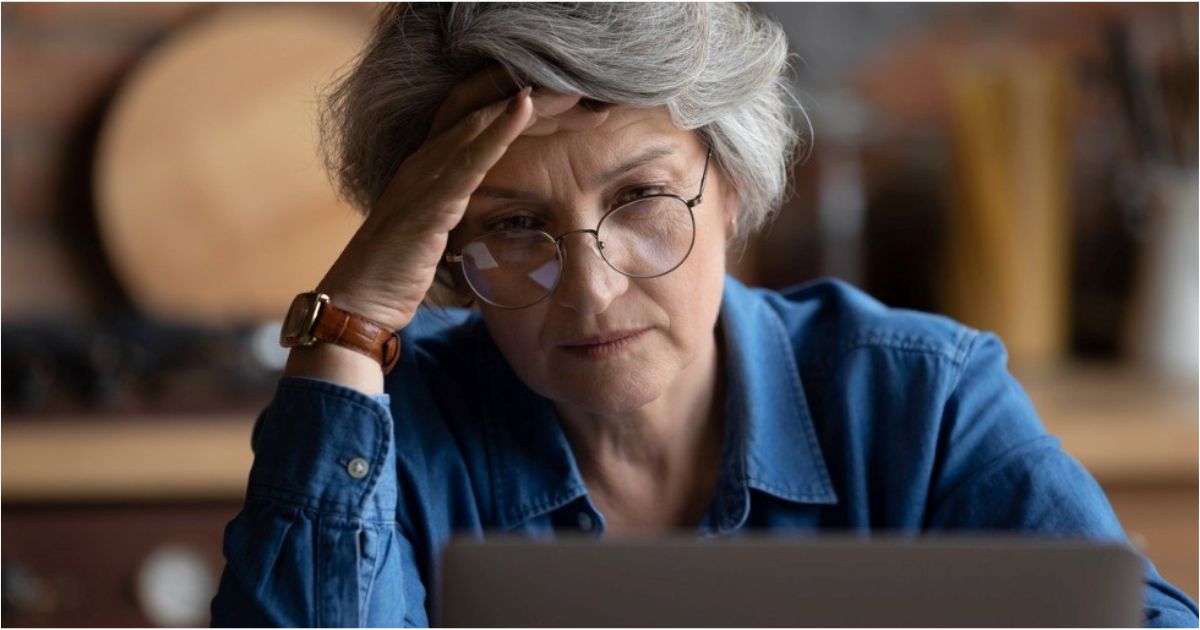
358	333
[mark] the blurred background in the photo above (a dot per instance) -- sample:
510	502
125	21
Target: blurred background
1027	169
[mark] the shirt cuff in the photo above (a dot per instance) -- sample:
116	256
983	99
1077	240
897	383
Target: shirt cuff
324	446
383	399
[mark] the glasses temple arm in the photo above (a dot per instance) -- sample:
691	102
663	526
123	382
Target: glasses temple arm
703	178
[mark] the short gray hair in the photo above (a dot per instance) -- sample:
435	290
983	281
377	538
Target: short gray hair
721	69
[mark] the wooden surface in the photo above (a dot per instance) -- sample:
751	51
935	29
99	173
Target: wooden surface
1162	521
212	202
177	458
1125	426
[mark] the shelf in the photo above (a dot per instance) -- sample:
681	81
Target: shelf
177	458
1125	427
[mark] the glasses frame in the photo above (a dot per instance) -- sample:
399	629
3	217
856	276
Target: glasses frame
690	203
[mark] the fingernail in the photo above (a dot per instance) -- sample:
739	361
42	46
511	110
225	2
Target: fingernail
516	100
553	103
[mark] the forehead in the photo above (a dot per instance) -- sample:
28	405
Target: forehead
626	131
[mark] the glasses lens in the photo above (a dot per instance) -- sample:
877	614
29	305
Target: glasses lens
511	268
648	237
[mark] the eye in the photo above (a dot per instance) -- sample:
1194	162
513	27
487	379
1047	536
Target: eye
514	222
637	192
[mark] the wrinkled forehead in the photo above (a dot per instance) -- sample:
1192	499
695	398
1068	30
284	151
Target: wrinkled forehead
628	131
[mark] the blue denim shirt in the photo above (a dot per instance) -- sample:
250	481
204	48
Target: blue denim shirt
841	414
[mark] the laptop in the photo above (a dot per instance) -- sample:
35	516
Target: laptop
774	581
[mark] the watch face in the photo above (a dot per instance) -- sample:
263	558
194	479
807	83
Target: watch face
298	323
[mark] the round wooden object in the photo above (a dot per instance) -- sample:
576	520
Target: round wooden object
213	203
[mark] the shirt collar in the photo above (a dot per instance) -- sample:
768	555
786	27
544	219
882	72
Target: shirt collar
770	443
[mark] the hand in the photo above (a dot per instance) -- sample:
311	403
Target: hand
389	264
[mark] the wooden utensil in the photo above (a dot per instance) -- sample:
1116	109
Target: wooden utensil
213	204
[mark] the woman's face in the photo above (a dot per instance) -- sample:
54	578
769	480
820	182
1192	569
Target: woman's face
568	181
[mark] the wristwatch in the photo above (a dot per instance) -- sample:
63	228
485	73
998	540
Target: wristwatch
312	318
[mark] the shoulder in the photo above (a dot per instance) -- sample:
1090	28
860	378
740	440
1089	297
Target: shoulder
899	375
829	320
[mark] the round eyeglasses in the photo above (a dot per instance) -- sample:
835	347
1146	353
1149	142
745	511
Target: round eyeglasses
648	237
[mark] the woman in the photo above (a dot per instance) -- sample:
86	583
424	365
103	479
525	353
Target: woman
613	379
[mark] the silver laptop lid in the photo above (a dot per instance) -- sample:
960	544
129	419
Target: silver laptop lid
772	581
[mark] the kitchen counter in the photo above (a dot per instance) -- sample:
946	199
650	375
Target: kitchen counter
1125	427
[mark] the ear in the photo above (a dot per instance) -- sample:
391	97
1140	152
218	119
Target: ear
727	193
731	205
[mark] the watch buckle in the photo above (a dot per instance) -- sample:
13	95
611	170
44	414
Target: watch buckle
307	338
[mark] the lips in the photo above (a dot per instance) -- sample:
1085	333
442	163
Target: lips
604	346
603	338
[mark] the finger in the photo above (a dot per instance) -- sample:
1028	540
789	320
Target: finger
436	152
575	120
547	106
476	91
581	119
541	127
546	103
549	103
473	161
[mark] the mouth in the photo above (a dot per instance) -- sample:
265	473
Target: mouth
604	346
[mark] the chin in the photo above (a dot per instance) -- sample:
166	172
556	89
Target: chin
619	393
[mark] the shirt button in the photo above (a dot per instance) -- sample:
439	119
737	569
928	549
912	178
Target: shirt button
585	521
358	468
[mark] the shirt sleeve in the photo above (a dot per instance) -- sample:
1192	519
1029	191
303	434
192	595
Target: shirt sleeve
1001	471
317	541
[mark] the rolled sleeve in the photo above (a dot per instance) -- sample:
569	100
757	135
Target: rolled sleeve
325	446
317	542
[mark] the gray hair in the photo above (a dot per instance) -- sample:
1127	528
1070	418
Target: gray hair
721	69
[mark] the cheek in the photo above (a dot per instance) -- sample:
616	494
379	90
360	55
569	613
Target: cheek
516	333
697	291
702	275
691	295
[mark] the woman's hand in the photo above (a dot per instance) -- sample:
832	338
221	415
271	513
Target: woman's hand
389	264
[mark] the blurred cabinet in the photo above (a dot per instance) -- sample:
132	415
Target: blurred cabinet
118	522
112	565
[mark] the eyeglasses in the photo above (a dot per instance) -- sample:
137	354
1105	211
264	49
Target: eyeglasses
648	237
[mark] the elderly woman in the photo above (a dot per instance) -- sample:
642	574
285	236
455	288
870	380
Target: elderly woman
580	172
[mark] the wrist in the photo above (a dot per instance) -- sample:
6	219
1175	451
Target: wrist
358	301
336	364
314	320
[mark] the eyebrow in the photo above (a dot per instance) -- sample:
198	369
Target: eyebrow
646	157
649	155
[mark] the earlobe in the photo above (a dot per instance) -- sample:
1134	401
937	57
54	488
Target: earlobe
732	207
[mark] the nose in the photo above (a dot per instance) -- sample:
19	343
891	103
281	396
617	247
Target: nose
588	285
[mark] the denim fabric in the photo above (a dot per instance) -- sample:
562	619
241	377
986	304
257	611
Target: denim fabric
841	415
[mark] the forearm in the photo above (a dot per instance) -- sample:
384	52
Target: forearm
318	531
338	365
